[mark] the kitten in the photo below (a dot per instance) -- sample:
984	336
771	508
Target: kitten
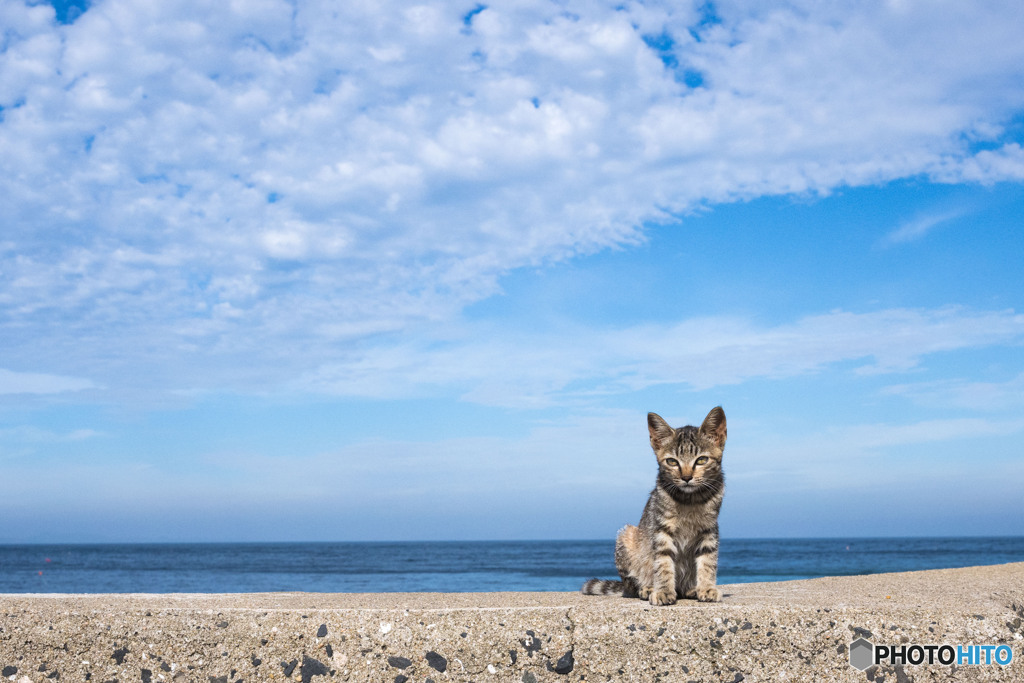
673	553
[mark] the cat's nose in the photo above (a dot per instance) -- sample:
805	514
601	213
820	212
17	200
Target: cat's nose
686	478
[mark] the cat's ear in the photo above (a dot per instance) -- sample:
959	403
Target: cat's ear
659	429
714	426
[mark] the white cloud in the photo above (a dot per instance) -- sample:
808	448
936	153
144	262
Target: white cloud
918	227
536	369
35	435
525	478
1005	163
964	394
198	179
890	436
40	383
847	460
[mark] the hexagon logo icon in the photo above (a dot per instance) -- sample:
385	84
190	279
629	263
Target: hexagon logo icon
862	654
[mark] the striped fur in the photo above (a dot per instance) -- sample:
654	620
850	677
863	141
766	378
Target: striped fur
603	587
673	552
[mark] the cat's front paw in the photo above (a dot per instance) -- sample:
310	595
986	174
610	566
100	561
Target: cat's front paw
708	594
643	593
663	597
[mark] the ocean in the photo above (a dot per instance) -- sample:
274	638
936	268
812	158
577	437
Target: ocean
463	566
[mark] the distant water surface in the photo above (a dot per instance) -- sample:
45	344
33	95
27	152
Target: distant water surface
472	566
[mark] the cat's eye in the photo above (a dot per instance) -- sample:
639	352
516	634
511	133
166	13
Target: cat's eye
702	459
671	462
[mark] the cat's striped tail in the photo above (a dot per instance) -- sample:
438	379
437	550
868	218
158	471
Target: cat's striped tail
602	587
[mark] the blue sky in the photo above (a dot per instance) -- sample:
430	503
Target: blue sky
301	271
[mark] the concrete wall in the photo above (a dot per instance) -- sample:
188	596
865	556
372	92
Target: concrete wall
789	631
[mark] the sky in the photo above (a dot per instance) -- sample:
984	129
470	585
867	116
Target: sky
310	271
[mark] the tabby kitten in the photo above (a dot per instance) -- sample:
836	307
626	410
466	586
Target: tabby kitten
673	553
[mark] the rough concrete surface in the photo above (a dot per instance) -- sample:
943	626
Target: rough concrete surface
786	631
